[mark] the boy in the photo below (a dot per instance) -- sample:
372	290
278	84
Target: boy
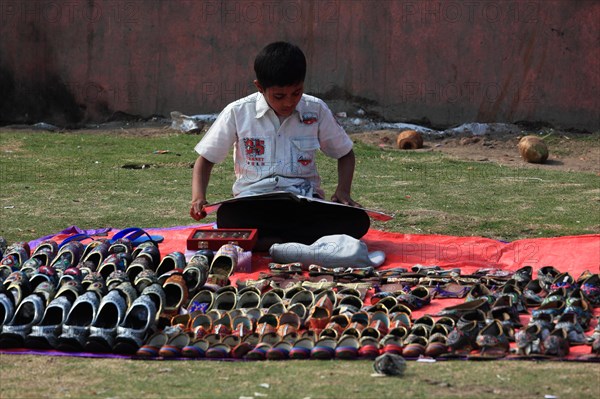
275	134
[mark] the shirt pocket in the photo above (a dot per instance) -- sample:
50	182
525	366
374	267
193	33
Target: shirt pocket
303	153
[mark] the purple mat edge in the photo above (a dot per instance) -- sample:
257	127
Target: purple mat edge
579	359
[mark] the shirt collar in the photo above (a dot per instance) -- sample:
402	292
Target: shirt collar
262	106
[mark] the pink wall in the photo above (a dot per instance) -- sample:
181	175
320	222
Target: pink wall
446	62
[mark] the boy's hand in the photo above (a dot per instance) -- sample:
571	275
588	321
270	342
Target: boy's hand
197	211
344	198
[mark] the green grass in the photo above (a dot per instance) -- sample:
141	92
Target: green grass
52	180
49	181
114	378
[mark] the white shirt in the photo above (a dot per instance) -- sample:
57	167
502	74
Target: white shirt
270	155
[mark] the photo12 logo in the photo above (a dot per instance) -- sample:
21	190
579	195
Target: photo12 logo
221	93
470	91
242	11
427	12
92	92
69	12
476	253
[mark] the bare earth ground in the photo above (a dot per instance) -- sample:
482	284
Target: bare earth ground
566	151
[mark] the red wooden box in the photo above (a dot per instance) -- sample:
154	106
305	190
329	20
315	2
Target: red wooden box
214	239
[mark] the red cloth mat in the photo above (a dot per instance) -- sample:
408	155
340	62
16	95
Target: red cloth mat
573	254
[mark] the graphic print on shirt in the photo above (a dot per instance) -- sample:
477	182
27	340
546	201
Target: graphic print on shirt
304	160
255	151
308	118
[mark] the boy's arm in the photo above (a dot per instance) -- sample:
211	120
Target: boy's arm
200	178
345	176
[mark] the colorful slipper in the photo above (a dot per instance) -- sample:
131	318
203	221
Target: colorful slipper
336	326
219	350
152	346
226	300
347	347
289	322
269	299
113	262
242	326
305	297
176	293
557	344
391	344
68	255
201	302
259	352
268	323
149	251
248	300
46	252
195	349
223	264
196	272
302	348
415	346
201	325
358	322
174	346
437	345
173	261
279	351
369	348
144	279
324	349
379	325
492	341
137	266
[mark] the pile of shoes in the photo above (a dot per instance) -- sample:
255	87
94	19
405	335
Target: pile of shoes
119	296
558	310
106	296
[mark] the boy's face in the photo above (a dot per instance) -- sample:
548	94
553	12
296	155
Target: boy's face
282	99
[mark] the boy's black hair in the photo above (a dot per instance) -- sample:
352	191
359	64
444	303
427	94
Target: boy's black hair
280	64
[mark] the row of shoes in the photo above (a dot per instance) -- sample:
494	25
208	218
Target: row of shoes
269	346
442	283
276	337
255	335
89	323
74	260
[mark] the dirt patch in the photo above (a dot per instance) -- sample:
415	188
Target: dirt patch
568	151
10	146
